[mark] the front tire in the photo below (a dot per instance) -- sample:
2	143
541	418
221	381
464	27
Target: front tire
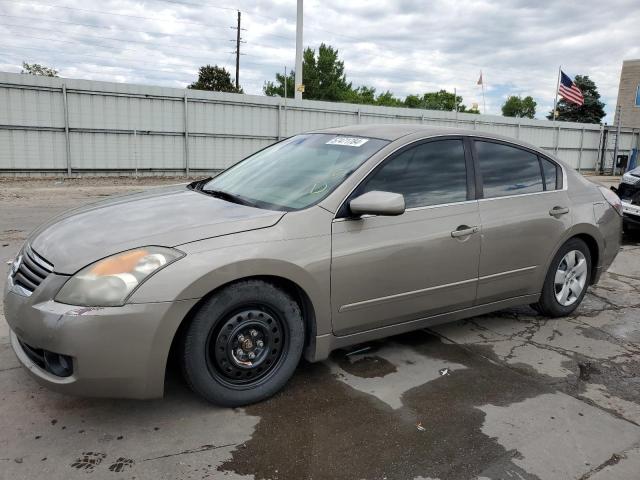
567	280
243	344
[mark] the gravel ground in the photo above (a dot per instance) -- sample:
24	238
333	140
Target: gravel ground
523	397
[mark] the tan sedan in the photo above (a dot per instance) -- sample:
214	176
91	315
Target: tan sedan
318	242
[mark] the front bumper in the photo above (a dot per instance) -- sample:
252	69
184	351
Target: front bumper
115	351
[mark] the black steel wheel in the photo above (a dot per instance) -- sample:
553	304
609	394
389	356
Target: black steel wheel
243	344
246	347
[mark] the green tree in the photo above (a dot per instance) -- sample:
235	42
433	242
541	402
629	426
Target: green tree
324	78
214	78
362	95
387	99
276	89
516	106
37	69
413	101
592	111
442	100
323	75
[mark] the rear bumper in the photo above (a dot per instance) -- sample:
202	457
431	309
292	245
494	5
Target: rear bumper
610	226
115	351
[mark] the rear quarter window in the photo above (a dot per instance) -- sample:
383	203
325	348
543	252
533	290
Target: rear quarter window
551	174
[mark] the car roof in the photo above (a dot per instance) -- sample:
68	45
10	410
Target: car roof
395	131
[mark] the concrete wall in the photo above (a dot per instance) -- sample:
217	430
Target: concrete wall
628	110
56	125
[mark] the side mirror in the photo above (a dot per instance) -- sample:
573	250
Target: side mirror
378	203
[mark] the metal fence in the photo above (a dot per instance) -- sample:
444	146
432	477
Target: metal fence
58	126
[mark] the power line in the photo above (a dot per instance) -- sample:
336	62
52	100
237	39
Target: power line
118	67
199	59
379	54
180	21
104	27
91	37
98	45
102	12
155	19
125	40
192	37
131	70
191	4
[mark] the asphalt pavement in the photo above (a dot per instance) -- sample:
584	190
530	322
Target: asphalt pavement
509	395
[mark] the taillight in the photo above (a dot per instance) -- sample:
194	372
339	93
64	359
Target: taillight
612	199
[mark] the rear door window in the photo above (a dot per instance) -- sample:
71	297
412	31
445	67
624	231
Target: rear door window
508	170
431	173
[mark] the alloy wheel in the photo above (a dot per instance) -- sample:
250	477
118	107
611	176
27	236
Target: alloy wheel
571	278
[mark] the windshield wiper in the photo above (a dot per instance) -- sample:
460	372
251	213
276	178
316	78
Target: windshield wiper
229	197
198	184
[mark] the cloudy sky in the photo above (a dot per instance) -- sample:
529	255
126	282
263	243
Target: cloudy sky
406	46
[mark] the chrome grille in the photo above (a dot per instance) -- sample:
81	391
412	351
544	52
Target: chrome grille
33	269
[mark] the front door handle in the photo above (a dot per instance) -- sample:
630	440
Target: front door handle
464	230
557	211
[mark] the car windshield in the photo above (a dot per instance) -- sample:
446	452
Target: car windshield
295	173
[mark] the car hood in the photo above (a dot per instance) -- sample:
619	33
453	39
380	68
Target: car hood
167	216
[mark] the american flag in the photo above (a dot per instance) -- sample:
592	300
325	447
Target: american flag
569	91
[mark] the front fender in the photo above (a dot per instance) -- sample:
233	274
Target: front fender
304	259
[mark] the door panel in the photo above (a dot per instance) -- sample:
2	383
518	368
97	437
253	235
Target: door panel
518	238
523	221
388	270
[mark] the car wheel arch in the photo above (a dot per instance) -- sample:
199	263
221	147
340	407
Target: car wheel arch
589	235
292	288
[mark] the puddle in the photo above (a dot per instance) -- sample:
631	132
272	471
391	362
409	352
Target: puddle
368	366
321	427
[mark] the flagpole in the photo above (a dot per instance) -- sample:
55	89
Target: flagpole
555	101
455	99
484	104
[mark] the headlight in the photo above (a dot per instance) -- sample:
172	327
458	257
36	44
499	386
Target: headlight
110	281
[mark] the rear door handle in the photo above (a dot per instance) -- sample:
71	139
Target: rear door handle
464	230
557	211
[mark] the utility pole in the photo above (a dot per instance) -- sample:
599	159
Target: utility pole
238	41
299	87
238	53
616	145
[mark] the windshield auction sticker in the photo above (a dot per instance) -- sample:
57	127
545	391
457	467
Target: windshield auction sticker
348	141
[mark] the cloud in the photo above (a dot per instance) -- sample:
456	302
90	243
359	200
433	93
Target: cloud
406	46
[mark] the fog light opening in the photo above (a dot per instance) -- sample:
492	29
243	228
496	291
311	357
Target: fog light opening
57	364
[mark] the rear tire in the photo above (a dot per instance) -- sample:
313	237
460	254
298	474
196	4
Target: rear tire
567	280
243	344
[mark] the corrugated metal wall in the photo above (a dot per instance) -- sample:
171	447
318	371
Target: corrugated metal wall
51	125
